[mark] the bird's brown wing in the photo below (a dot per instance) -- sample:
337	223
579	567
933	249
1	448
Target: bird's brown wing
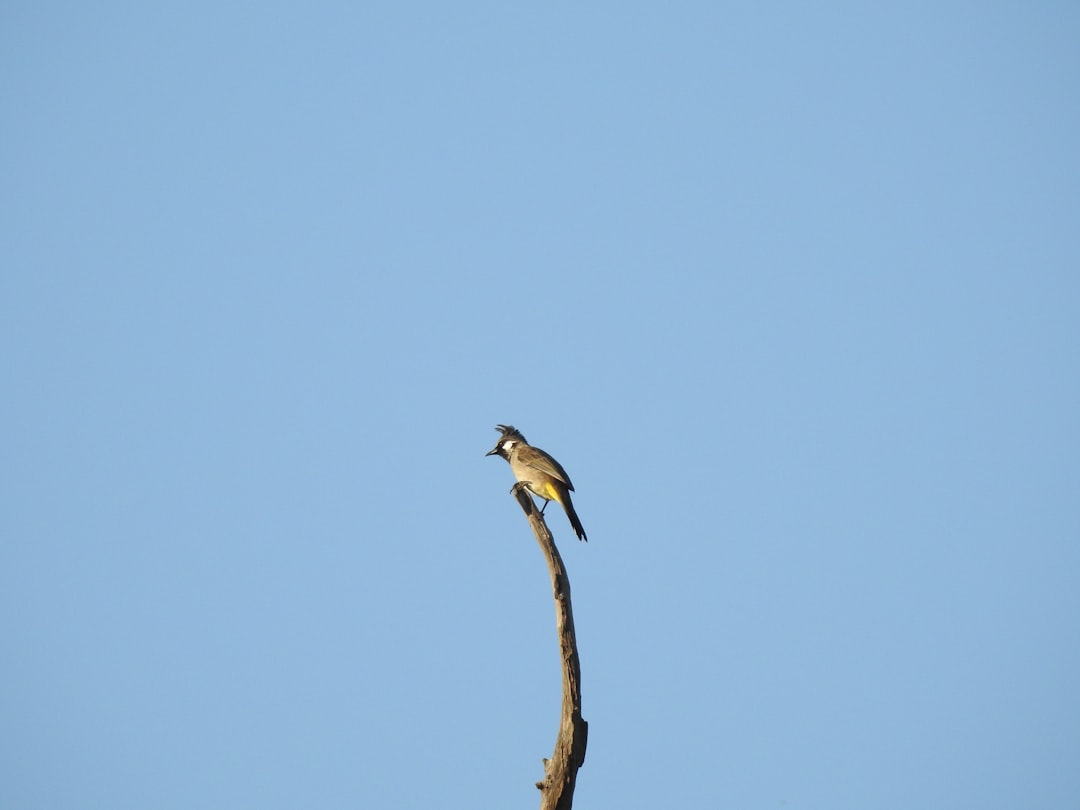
539	460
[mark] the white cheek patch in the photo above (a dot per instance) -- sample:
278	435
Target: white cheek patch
508	446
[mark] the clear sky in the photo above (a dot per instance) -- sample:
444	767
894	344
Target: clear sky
791	290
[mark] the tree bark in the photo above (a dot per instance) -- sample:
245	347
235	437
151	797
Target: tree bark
560	772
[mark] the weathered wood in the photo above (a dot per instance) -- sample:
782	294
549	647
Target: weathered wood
560	772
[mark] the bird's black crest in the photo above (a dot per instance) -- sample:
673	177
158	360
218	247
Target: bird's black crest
509	431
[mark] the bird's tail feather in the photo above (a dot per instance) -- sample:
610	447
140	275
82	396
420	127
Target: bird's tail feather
575	521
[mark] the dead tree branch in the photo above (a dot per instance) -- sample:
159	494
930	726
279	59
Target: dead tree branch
560	772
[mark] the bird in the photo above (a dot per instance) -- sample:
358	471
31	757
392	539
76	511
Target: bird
538	472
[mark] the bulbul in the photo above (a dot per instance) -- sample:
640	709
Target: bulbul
538	471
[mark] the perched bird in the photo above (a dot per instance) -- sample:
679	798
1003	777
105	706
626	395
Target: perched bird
540	473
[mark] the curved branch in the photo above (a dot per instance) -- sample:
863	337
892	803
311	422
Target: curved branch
560	772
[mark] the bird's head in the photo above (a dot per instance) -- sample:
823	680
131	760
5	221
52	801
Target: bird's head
510	437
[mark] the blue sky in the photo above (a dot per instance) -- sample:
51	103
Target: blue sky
791	291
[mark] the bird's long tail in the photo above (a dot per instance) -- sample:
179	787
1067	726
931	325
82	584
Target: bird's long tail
571	513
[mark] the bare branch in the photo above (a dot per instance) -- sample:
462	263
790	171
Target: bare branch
560	772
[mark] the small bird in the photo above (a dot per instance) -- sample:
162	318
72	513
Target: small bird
538	471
